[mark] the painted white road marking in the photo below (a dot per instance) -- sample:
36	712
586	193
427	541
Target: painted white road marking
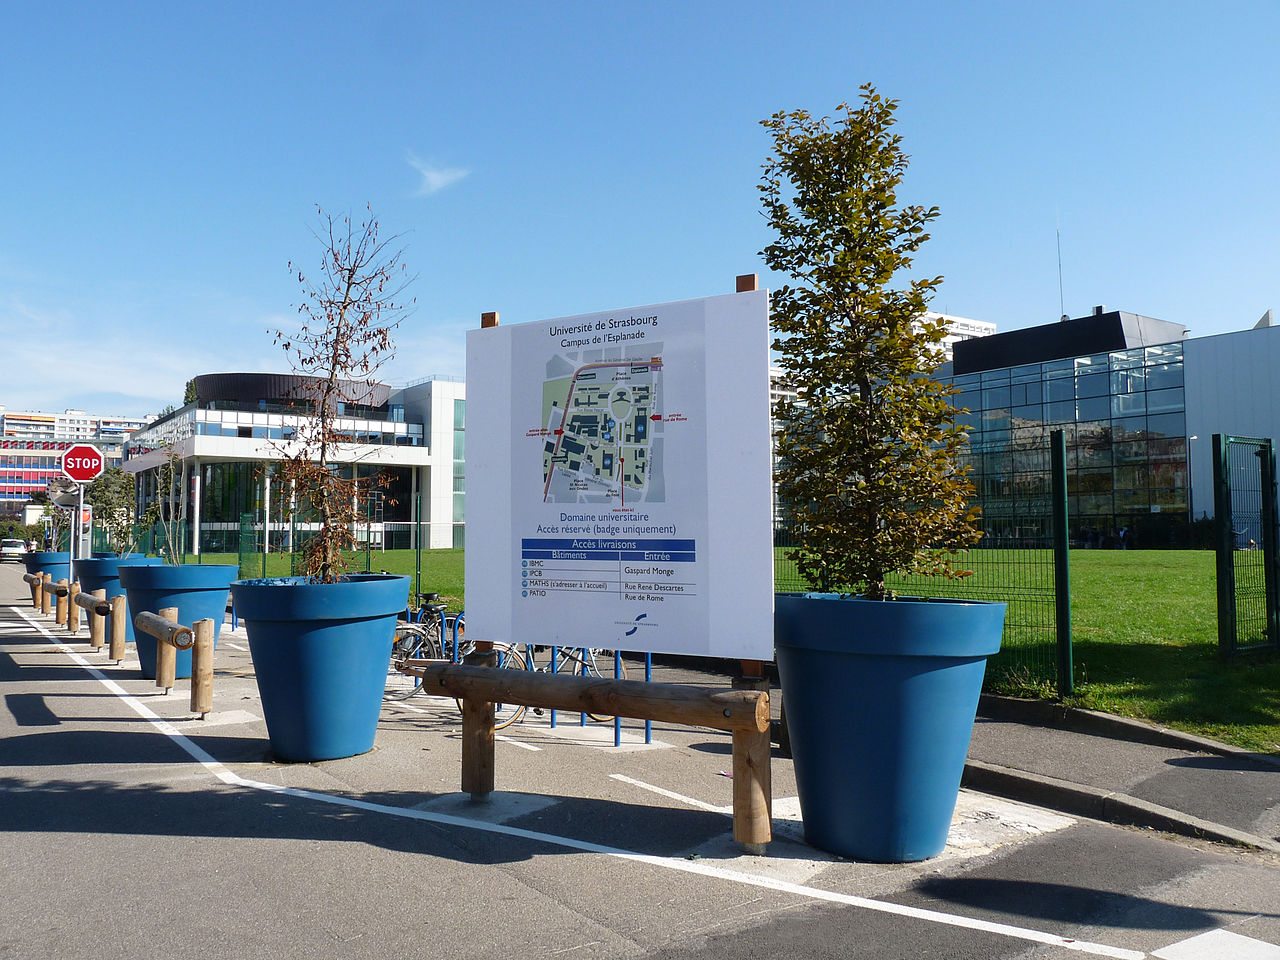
1219	945
671	795
517	743
229	777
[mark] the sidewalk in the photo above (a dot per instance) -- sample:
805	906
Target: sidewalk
1125	771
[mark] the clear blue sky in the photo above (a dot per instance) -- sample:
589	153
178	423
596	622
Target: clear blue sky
161	164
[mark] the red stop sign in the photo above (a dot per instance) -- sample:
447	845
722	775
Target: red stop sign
82	462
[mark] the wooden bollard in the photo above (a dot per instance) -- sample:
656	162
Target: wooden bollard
166	654
73	609
96	605
119	613
60	612
33	581
46	598
202	669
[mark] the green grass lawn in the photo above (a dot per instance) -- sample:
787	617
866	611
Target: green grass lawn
1144	627
1145	631
1145	634
441	569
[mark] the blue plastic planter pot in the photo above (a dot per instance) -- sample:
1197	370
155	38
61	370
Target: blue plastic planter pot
103	573
320	652
56	563
198	590
880	699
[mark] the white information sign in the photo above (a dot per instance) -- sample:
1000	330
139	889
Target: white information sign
619	486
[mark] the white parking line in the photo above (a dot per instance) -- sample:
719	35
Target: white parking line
518	743
231	778
670	795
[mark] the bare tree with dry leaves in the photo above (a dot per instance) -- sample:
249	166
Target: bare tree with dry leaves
349	313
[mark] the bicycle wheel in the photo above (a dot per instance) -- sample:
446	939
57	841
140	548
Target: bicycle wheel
590	662
413	641
455	636
510	657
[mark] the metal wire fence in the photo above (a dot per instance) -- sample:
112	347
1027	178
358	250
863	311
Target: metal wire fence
1014	562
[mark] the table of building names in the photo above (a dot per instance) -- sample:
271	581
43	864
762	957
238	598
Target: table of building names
649	570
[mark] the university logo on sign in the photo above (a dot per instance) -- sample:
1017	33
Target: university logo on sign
82	463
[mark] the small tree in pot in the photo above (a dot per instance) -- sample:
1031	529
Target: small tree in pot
868	473
321	644
867	450
348	317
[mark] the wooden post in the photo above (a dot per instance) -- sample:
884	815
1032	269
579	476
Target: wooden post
97	624
34	583
752	774
46	597
477	714
60	612
202	669
477	734
73	609
118	614
166	655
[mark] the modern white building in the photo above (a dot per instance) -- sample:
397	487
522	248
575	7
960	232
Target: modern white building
226	445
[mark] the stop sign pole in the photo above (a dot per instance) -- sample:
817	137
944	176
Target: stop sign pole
81	463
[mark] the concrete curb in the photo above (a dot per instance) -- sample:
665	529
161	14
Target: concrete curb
1050	714
1098	804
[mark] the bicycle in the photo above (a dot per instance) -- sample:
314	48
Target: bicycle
420	637
578	662
432	633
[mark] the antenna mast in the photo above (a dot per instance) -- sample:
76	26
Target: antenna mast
1062	312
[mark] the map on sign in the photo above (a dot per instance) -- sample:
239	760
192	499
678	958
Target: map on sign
603	429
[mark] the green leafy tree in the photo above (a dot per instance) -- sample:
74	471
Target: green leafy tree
868	454
113	501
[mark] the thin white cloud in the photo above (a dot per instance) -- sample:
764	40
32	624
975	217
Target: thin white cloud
434	178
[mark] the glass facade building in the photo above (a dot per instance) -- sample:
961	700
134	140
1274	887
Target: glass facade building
1123	415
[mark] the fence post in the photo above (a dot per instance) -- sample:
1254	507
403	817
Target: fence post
46	594
1061	564
1267	468
1224	544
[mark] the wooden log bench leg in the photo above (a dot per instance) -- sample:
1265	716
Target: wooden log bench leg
752	774
477	734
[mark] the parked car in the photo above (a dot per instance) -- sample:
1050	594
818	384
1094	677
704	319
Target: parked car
12	549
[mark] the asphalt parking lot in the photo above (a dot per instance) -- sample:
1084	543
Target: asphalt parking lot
133	827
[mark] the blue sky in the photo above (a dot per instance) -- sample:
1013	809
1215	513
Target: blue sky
162	164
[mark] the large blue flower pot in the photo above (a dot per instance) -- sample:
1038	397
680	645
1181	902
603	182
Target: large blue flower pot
320	652
56	563
198	590
103	573
880	699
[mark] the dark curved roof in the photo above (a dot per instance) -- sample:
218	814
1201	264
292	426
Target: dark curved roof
252	387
